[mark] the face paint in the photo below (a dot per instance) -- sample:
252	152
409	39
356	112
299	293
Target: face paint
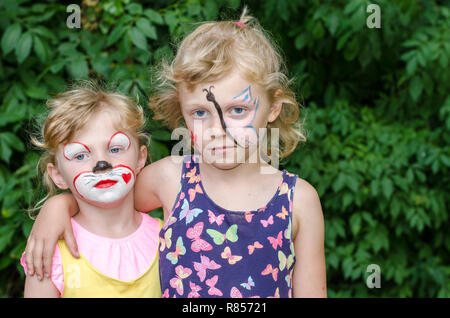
241	126
102	165
238	126
71	150
119	139
105	187
194	139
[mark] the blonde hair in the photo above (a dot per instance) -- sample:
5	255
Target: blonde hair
209	53
70	111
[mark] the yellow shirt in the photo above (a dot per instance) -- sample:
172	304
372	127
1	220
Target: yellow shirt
82	279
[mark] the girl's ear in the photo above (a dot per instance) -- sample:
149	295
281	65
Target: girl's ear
56	176
142	158
275	108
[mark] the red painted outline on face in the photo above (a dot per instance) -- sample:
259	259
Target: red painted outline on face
76	177
194	139
120	132
75	142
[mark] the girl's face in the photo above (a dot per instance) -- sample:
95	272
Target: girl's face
99	165
224	118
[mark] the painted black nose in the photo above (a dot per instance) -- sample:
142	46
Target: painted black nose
101	165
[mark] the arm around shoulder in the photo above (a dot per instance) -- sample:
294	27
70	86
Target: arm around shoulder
309	278
156	182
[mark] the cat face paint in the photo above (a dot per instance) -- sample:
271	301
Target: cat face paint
74	149
237	120
105	187
99	185
119	139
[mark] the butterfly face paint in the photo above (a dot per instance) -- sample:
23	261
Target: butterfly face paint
237	120
240	124
107	187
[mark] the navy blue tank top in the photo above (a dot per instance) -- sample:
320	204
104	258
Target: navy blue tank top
209	251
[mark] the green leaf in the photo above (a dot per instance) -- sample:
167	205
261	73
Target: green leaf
146	28
26	227
6	237
154	16
40	49
300	41
210	10
352	6
352	49
23	48
355	223
11	38
339	183
134	8
138	38
333	22
415	87
13	141
37	92
115	35
387	187
78	68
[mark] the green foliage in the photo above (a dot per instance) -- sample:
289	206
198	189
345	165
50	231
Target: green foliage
377	114
377	117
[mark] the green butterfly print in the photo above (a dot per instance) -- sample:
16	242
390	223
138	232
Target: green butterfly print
219	238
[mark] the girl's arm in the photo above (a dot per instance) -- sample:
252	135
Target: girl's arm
52	223
309	278
36	288
146	189
157	185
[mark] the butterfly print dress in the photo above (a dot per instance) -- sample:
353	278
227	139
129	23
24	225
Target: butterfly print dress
209	251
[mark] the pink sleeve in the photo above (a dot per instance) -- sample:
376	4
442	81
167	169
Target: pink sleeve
57	270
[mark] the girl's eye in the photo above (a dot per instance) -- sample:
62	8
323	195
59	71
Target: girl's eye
237	110
115	150
80	156
199	113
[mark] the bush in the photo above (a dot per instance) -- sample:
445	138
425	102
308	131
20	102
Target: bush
377	113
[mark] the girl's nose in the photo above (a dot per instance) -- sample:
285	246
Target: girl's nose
101	166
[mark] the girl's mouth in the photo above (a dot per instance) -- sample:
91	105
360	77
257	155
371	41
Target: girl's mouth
221	149
105	183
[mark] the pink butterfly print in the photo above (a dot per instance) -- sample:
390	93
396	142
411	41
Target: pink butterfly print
276	241
198	244
194	290
205	264
213	291
193	191
235	293
177	281
252	247
267	222
166	293
213	218
270	270
248	216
